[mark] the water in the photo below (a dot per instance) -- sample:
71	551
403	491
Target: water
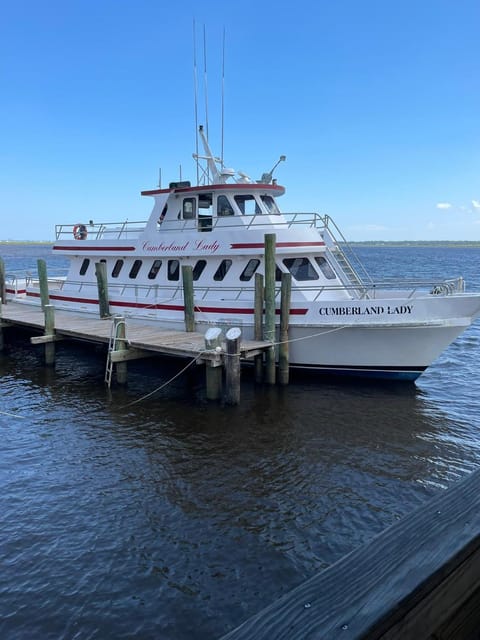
178	519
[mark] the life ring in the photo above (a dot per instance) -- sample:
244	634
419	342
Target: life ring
80	232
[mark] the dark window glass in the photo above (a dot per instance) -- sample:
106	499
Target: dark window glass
154	269
224	208
301	268
117	268
325	268
189	208
222	270
249	270
198	269
135	269
270	204
246	204
278	274
173	270
84	267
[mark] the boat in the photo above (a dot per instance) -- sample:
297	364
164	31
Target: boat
341	321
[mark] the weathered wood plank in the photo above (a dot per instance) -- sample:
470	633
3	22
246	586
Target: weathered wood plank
405	583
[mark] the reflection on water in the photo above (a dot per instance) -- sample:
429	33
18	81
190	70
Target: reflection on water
177	519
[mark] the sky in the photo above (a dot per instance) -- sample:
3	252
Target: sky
376	106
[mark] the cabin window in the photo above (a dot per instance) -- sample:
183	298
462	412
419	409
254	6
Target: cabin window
189	208
301	268
198	269
249	270
222	270
325	268
84	267
270	204
224	208
247	204
117	268
135	269
173	270
154	269
278	274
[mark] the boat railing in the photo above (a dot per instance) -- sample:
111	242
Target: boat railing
99	230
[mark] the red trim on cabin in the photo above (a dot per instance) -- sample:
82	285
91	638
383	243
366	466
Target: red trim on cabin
242	186
261	245
166	307
81	247
15	291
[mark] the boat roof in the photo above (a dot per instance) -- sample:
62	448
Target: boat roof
185	187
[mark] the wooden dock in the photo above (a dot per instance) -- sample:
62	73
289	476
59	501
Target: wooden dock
140	339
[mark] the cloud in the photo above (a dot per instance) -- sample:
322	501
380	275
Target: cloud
476	204
444	205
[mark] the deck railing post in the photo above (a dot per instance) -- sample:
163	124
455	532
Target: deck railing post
3	286
102	284
49	312
43	282
232	366
283	347
188	299
270	240
258	319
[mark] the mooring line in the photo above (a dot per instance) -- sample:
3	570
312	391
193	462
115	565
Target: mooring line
12	415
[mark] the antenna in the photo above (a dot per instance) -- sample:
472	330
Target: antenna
160	178
195	83
205	76
223	93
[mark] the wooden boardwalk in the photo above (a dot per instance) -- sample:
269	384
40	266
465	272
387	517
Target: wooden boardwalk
142	338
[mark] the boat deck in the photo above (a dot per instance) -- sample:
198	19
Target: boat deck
143	337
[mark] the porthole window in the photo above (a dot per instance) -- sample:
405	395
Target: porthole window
173	270
198	269
249	270
84	267
222	270
154	269
301	268
135	269
117	268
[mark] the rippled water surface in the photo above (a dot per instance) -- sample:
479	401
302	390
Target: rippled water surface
174	518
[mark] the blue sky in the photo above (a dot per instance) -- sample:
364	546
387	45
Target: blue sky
375	104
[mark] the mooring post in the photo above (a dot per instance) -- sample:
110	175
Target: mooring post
188	301
283	347
49	312
43	282
101	273
3	286
120	345
213	369
270	240
232	366
258	319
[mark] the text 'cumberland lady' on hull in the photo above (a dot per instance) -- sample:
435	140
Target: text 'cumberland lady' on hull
340	320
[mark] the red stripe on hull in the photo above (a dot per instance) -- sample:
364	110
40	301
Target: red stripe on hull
166	307
261	245
81	248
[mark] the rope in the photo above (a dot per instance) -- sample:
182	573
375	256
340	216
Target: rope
11	415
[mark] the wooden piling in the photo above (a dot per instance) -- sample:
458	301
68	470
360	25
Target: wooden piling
269	332
258	319
188	299
283	347
232	366
43	282
49	311
102	284
120	345
3	286
213	370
